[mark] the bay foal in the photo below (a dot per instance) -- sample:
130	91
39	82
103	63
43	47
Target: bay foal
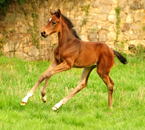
70	52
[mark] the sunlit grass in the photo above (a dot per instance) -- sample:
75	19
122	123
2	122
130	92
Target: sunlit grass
86	110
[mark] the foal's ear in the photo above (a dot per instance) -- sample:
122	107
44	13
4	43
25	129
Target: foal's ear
51	12
58	13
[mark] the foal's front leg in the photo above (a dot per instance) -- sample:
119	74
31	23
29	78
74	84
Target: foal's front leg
42	77
43	92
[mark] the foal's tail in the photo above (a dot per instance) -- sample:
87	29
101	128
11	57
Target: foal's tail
120	57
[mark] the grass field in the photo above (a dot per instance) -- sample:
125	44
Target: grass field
88	110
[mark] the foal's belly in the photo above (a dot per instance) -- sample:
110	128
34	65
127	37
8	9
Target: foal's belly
86	61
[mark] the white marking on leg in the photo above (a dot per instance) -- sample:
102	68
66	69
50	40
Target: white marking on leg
44	99
56	106
25	99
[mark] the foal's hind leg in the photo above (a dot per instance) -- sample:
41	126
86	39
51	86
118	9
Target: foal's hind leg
104	74
82	84
103	69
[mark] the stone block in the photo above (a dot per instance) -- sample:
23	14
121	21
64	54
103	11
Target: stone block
143	35
1	36
33	51
96	3
84	37
132	35
20	17
10	18
21	55
9	46
138	15
94	11
45	4
126	44
143	17
103	35
123	4
130	2
129	19
27	7
109	2
18	8
123	17
102	17
111	36
79	15
108	26
136	26
26	49
125	36
106	9
121	37
77	24
22	29
89	26
68	5
6	48
125	27
112	18
110	44
92	35
112	27
136	42
136	5
112	11
82	3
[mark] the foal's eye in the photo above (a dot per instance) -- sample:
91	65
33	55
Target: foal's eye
54	23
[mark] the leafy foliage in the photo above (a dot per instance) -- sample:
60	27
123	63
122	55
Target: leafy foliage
4	5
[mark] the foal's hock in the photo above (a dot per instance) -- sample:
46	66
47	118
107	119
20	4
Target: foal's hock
70	52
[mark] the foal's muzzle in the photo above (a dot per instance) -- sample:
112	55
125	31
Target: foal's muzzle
44	34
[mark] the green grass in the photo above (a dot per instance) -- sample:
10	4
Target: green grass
87	110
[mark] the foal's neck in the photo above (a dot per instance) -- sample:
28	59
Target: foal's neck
65	35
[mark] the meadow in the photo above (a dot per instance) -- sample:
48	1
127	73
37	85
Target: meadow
88	110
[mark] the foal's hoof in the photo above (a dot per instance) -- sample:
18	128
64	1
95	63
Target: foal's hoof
54	108
23	103
44	99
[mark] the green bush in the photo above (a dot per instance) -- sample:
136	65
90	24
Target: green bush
4	5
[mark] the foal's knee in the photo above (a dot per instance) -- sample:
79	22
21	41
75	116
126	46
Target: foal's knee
42	77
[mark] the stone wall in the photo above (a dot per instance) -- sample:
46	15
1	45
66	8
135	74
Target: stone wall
94	20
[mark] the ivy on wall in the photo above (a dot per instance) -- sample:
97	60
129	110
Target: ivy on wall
4	5
117	23
33	30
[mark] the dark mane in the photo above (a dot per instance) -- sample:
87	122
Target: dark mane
75	33
70	25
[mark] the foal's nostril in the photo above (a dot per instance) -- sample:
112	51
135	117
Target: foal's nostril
43	33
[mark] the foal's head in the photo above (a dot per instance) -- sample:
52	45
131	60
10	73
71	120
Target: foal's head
53	24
